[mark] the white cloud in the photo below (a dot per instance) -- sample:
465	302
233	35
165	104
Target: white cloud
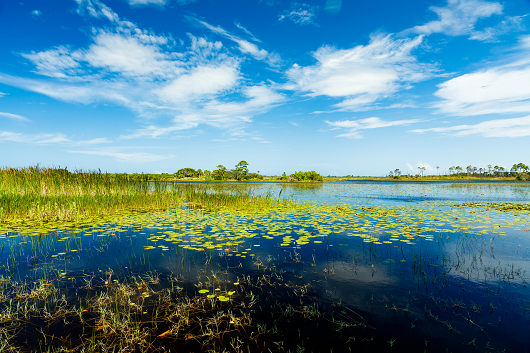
147	2
14	116
2	94
259	97
40	139
58	90
36	13
508	25
245	47
354	127
138	157
363	74
301	14
459	17
95	141
130	55
200	83
498	89
515	127
58	62
156	132
45	139
238	25
95	8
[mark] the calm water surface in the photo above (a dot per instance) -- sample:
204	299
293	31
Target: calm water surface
391	266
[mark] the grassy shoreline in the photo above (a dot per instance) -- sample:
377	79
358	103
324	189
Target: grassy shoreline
34	197
334	179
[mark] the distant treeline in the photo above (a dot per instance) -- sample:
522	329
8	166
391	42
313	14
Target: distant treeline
240	173
519	171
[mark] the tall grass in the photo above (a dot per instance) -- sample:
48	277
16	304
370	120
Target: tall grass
41	195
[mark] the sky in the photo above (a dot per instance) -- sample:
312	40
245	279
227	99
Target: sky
340	87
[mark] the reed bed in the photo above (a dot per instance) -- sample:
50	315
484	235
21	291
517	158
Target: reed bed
35	196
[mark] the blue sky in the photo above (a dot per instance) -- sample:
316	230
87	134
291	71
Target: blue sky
339	87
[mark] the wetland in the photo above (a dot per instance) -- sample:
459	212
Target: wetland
92	263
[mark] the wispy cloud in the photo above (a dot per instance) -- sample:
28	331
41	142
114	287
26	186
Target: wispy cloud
238	25
36	13
91	142
301	14
497	89
510	24
14	116
137	157
46	139
355	127
460	18
361	75
40	139
2	94
147	2
245	46
516	127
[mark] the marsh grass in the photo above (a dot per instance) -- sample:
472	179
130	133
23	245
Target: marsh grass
34	196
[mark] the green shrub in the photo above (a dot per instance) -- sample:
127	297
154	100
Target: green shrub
306	176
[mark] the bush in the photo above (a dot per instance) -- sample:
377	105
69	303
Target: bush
307	176
253	176
523	177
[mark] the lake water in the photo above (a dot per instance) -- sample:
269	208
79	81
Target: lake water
357	266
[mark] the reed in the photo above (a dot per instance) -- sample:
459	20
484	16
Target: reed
43	195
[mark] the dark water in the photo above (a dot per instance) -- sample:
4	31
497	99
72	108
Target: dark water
403	268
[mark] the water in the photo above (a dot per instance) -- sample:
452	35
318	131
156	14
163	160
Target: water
366	266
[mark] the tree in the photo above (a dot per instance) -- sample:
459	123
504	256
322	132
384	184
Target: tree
459	169
391	174
241	170
187	172
489	169
451	170
397	172
242	167
220	172
437	170
422	169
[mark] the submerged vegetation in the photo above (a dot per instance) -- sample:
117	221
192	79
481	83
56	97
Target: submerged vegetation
96	262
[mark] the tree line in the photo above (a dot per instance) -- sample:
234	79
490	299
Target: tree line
519	171
241	173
